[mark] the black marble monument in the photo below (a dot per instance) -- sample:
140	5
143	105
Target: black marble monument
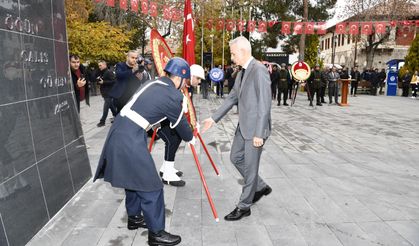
43	158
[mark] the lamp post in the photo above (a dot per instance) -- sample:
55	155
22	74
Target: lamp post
212	50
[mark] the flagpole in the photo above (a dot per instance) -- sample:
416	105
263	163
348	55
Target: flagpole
223	35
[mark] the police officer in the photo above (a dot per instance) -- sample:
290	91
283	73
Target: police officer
283	84
125	161
314	85
170	175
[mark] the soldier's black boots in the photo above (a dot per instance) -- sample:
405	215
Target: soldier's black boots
135	222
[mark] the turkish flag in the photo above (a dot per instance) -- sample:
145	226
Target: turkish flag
98	1
321	28
262	26
134	6
309	28
366	28
153	9
209	24
144	7
240	25
341	28
417	23
110	3
353	28
167	12
123	4
393	23
380	27
230	25
220	24
251	25
188	34
286	28
298	28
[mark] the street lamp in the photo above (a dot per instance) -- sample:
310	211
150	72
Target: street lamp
212	50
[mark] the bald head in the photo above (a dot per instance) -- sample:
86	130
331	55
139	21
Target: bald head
240	50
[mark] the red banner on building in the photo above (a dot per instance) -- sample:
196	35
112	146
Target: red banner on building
153	9
298	28
110	3
134	6
220	24
251	26
341	28
320	28
209	24
262	27
309	28
366	28
144	7
353	28
380	27
230	25
240	25
286	28
167	12
123	4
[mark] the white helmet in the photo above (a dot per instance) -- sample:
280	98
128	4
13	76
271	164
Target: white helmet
198	71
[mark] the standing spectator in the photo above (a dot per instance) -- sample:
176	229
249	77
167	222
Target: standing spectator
356	77
91	79
78	76
204	84
106	80
230	77
414	83
333	78
365	76
382	77
375	81
283	84
251	94
406	83
128	79
274	80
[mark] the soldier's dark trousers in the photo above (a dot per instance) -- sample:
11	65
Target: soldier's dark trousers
204	88
171	140
151	204
280	92
405	89
290	88
315	91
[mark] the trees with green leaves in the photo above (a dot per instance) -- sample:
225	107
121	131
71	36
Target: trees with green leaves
412	61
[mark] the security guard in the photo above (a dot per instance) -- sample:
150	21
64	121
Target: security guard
283	85
126	162
170	175
314	85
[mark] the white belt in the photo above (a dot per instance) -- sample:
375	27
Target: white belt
134	116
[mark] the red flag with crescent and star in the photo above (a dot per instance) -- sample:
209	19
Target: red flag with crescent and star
188	34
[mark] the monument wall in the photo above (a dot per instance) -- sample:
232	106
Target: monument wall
43	158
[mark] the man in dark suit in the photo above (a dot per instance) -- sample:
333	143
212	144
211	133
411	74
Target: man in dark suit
78	76
106	80
128	80
125	161
252	95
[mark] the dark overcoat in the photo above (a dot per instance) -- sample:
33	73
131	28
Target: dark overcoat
125	161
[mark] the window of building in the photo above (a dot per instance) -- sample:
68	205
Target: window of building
338	40
343	39
322	45
349	39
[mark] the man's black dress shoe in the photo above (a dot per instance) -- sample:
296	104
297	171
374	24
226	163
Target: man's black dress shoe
264	192
135	222
178	173
237	214
163	238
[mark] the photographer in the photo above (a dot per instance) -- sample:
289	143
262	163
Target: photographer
106	80
128	80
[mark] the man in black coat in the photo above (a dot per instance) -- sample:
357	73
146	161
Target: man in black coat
106	80
283	79
382	77
128	80
406	83
125	161
80	85
274	80
355	78
314	84
375	81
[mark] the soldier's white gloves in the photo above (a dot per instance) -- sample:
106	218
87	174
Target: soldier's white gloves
198	127
193	141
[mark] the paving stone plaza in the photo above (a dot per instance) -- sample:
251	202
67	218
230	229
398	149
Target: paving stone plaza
340	176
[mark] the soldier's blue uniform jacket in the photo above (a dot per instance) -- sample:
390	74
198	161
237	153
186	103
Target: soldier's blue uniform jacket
125	161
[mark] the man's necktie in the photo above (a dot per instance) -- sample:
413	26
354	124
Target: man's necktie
243	71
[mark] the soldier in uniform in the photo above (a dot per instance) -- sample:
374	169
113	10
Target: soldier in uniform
274	80
170	175
125	161
283	84
314	85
